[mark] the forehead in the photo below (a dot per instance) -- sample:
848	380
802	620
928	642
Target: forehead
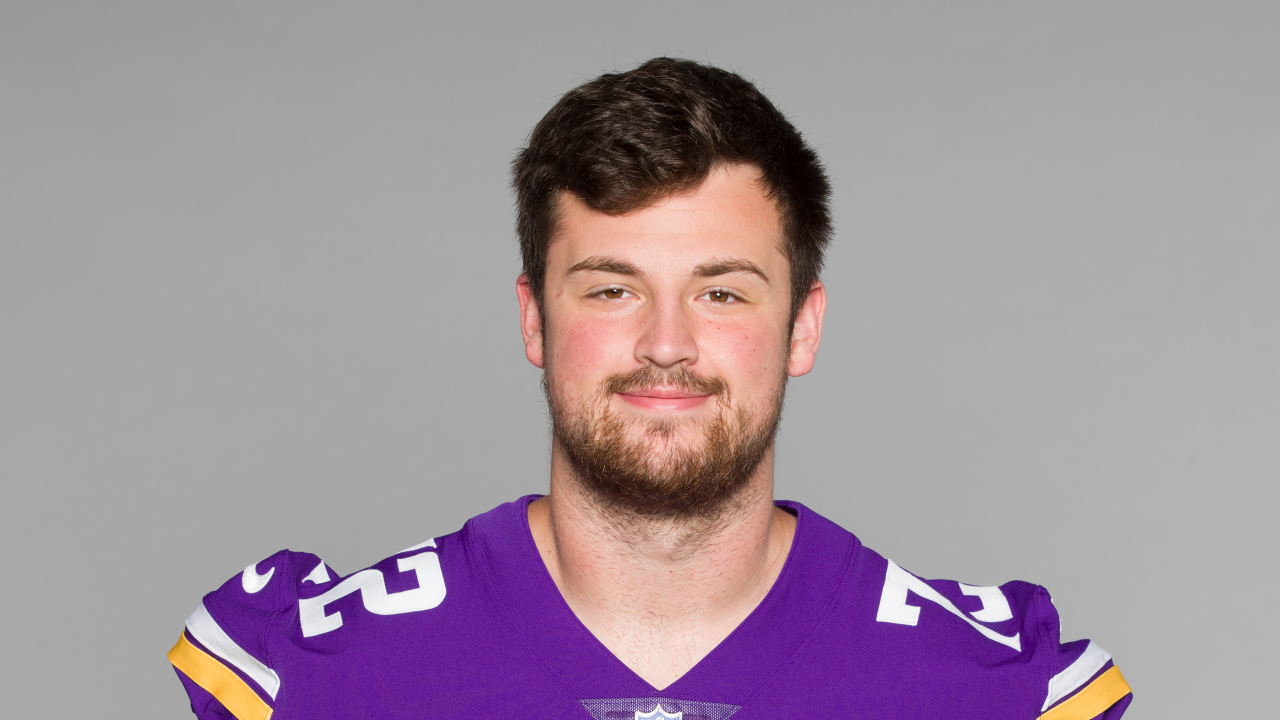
728	215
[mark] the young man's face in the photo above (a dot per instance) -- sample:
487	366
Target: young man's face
666	342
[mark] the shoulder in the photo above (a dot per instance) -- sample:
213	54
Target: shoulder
984	637
936	643
223	655
299	590
422	561
233	645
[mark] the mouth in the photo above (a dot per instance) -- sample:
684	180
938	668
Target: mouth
659	399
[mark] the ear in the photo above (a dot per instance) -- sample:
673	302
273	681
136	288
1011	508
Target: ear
530	321
806	334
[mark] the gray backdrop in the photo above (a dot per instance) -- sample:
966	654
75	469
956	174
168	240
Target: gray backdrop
257	291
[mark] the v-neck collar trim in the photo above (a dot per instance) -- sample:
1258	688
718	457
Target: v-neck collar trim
502	548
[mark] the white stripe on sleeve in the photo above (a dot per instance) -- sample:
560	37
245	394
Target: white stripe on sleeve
204	628
1076	674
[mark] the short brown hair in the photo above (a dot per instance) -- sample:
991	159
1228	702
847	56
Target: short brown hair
626	140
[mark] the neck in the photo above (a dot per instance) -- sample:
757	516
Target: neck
661	593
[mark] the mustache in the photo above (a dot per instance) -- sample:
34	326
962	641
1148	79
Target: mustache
680	378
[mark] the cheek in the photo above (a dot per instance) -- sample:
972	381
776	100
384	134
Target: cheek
585	351
752	355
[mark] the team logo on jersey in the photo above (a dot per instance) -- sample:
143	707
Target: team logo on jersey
652	708
659	714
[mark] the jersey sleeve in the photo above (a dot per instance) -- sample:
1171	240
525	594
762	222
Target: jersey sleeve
1084	682
224	655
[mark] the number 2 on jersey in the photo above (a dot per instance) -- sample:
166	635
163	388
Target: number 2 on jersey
894	607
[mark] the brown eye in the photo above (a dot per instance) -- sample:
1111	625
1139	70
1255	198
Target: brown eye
614	293
719	296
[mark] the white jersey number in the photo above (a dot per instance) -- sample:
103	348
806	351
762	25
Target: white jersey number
373	590
894	607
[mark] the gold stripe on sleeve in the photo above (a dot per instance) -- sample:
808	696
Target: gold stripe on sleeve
230	690
1095	698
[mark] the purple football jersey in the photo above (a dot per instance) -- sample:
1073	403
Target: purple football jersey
471	625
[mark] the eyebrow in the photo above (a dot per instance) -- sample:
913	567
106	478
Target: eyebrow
605	264
724	267
716	268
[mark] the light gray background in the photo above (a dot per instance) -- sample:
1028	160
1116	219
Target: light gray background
256	292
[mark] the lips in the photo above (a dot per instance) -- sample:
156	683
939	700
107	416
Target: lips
664	394
663	399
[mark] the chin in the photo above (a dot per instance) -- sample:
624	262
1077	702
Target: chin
669	434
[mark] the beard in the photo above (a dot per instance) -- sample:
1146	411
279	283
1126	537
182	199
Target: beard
642	468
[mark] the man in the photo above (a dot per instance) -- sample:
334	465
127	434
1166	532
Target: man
672	224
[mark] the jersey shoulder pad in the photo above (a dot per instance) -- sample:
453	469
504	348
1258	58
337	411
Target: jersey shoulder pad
999	613
382	588
224	654
1082	680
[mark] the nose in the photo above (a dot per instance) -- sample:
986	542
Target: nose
668	338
